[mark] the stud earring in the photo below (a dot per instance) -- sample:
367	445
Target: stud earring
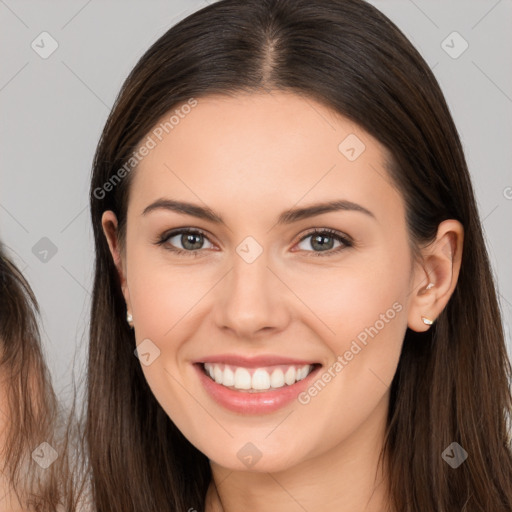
427	321
129	318
429	286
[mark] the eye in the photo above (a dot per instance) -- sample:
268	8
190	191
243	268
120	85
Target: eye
190	239
323	240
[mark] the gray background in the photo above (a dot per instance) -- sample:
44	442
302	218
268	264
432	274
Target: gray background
53	111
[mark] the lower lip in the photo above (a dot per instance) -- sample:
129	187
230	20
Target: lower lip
261	402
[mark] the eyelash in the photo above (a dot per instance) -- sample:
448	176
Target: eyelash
346	242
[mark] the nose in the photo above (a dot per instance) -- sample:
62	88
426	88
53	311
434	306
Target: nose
252	299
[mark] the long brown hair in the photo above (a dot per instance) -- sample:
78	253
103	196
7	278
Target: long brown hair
34	416
452	383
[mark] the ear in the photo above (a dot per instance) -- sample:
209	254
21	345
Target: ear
435	275
109	224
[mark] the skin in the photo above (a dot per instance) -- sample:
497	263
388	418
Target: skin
249	158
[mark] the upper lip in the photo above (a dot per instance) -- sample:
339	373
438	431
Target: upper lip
255	361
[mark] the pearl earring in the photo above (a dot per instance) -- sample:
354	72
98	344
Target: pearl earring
129	318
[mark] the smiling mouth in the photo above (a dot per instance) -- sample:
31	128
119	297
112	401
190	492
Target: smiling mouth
257	380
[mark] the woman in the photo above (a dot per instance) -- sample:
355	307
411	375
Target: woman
251	138
32	453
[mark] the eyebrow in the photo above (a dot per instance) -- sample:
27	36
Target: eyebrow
287	217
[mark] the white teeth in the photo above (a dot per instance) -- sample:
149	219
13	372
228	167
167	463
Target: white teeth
260	379
257	379
242	379
289	376
228	378
302	373
218	374
277	378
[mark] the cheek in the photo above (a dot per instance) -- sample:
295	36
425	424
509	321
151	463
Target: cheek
160	301
364	307
165	300
162	294
363	290
351	392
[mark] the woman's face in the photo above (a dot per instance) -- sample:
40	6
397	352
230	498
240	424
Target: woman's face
256	293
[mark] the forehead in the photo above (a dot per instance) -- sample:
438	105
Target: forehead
254	148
